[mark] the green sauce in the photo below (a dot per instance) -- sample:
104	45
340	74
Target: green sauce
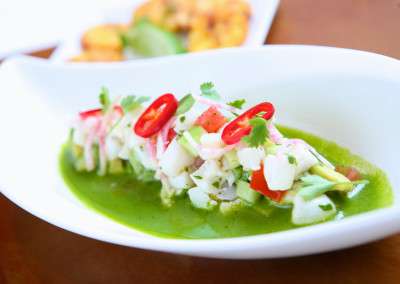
137	204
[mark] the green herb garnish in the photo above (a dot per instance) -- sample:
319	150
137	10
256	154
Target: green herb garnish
258	134
326	207
104	98
245	175
198	177
237	103
216	184
208	90
292	160
130	103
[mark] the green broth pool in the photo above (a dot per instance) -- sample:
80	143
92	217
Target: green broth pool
138	205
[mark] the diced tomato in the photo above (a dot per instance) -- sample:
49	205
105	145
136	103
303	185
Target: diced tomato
156	116
171	135
258	183
349	172
241	127
98	112
211	120
119	110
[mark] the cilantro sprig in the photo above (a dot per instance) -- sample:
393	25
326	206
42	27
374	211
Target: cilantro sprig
258	134
130	103
237	103
104	98
292	160
326	207
208	90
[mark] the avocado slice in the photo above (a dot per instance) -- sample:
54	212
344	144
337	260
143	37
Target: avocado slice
116	166
245	192
332	175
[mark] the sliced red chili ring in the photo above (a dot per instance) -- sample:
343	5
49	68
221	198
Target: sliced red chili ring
90	113
241	127
97	112
170	136
156	116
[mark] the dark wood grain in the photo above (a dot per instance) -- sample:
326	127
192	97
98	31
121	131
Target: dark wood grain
371	25
32	251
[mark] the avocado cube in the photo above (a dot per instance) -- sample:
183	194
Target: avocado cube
245	192
196	132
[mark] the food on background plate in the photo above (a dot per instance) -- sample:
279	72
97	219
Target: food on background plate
202	168
164	27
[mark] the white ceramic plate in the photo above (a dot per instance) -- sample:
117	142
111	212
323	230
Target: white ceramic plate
347	96
261	20
27	26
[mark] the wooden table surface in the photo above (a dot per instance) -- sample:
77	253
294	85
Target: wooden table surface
32	251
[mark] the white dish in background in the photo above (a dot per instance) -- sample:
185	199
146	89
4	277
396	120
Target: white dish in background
27	26
263	12
342	95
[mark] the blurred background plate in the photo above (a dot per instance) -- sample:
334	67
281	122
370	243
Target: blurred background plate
263	12
27	26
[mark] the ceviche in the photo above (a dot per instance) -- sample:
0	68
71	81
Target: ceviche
201	167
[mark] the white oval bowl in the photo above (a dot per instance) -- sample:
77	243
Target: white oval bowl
347	96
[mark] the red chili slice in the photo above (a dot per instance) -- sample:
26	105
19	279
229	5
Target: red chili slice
97	112
241	127
156	115
258	183
171	135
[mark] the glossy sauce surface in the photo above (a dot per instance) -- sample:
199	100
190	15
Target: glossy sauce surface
136	204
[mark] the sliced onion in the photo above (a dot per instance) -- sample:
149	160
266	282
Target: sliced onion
166	128
88	147
151	149
274	134
102	157
216	104
214	153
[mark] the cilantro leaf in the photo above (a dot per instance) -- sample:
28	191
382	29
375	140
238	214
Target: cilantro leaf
326	207
237	103
292	160
185	104
130	103
208	90
216	184
258	134
104	98
245	176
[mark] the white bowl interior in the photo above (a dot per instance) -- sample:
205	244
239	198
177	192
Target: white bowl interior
342	95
